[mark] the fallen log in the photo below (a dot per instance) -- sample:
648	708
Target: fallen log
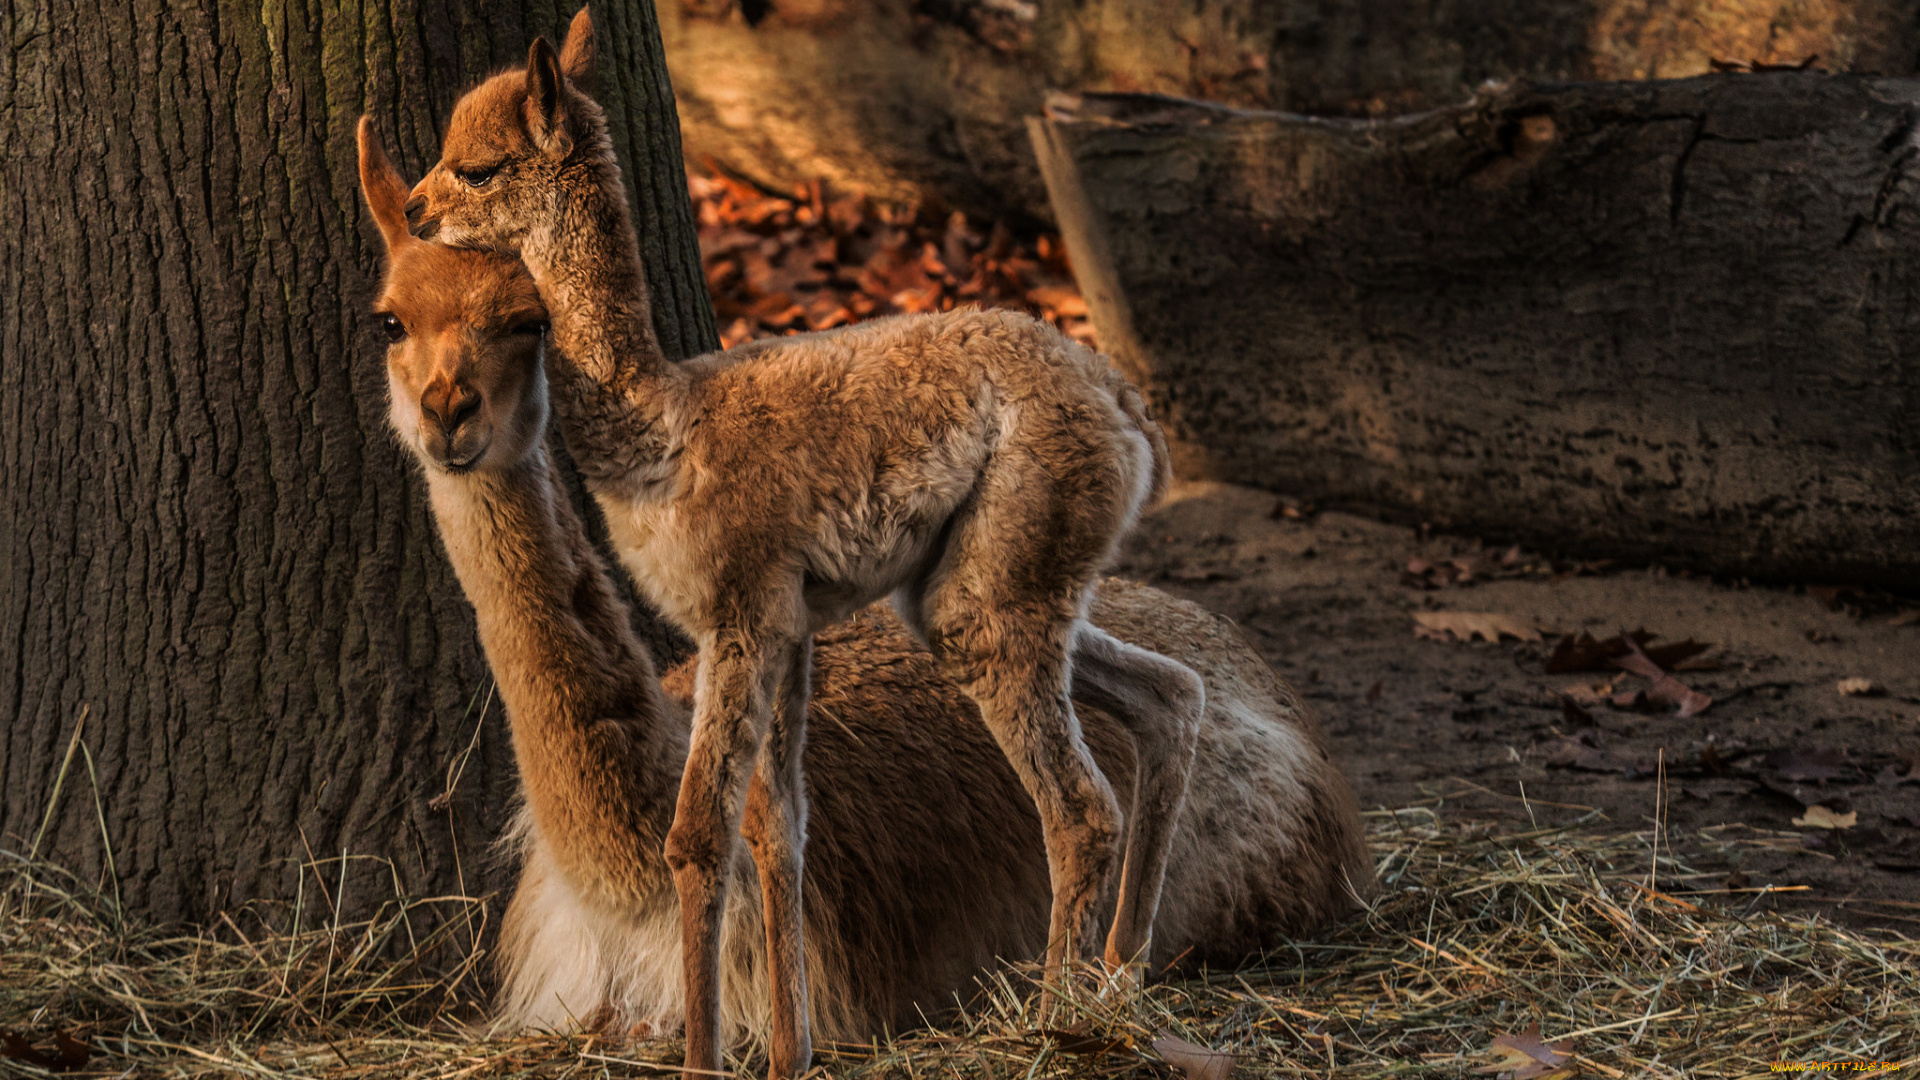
1669	321
912	100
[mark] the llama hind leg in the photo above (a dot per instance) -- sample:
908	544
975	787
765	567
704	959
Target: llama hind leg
731	715
775	827
1160	702
1013	664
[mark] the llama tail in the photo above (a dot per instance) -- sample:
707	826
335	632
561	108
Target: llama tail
1134	405
1099	368
1134	408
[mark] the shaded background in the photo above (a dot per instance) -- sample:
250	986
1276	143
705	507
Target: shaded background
910	99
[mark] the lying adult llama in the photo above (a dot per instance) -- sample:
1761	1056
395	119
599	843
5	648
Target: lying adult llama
927	865
979	466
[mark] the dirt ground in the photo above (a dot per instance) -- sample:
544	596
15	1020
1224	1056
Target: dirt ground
1329	599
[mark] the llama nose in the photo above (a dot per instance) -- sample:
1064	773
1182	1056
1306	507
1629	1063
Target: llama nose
418	223
449	407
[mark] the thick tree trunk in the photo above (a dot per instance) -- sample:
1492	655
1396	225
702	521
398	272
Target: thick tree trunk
209	541
918	99
1659	320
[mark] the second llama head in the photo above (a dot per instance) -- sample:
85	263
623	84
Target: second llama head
514	146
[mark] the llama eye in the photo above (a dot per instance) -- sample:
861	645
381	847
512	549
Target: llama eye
477	177
394	328
533	328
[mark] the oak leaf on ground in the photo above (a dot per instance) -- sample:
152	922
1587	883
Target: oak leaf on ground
1819	817
1528	1057
1194	1061
1467	625
1666	690
1582	652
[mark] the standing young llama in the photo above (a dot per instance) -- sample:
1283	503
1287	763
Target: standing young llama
980	467
926	867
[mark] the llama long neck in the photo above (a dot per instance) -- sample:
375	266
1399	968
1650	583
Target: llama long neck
600	757
613	388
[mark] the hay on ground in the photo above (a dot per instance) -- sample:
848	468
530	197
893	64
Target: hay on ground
1626	960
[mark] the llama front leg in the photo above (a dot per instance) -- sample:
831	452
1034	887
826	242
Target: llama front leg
1160	702
731	715
776	831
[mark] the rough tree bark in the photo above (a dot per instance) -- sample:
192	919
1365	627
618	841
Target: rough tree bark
208	539
917	99
1660	320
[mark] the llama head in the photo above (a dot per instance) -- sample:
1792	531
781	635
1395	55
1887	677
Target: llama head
503	166
466	331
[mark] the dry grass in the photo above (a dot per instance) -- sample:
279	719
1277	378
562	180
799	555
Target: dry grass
1477	933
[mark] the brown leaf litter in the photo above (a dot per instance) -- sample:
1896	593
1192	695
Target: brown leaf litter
1665	689
810	260
1582	652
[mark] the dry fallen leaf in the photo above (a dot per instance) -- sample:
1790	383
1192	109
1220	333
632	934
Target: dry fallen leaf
1194	1062
1819	817
1463	569
1467	625
70	1053
1666	690
1564	570
1590	693
1527	1057
1064	299
1580	752
1859	688
1582	652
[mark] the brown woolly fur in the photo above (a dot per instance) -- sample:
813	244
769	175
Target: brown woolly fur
977	466
926	857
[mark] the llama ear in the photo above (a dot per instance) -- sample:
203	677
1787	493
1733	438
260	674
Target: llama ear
384	189
576	57
546	101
